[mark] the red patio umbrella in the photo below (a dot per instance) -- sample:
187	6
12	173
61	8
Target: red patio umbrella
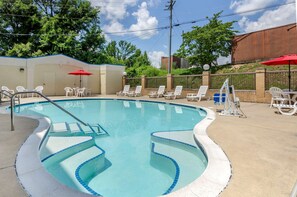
80	73
283	60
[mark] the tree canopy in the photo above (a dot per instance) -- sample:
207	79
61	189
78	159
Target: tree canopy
204	45
37	27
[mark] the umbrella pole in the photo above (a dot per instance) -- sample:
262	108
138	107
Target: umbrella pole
80	81
289	77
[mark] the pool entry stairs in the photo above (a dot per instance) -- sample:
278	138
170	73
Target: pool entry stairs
166	145
76	129
71	159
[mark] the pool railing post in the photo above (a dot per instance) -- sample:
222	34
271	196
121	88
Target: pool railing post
11	113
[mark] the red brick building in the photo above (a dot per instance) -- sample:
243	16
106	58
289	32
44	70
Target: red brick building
176	62
264	44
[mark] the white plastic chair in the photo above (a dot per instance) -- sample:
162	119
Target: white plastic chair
81	92
201	93
278	96
38	89
75	90
173	95
159	93
135	93
20	89
125	91
68	91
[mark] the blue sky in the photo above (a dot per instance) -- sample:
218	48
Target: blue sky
126	19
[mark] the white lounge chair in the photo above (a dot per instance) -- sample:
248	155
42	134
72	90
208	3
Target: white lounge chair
157	94
5	88
173	95
68	91
125	91
278	96
137	91
286	109
201	93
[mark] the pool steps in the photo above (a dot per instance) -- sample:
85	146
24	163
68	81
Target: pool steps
55	151
55	145
74	162
179	142
67	167
71	164
77	129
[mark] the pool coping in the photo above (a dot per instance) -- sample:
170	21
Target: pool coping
211	183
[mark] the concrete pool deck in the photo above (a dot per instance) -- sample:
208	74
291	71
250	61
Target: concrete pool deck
262	149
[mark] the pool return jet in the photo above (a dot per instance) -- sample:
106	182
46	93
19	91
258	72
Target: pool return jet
231	103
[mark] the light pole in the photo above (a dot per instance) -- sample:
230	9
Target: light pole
170	8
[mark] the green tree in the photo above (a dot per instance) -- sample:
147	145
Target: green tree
71	27
203	45
18	20
111	49
125	50
125	53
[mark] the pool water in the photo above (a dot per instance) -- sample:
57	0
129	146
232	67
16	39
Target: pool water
136	163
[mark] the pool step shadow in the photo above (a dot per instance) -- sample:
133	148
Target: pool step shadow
74	170
76	129
175	147
77	165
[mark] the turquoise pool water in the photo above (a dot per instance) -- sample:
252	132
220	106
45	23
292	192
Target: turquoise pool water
135	163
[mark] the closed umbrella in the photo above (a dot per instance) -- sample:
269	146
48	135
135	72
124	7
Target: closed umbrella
80	73
283	60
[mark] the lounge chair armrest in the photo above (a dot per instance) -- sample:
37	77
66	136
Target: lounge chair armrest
191	94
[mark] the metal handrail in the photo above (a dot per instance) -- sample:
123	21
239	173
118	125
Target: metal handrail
8	94
46	98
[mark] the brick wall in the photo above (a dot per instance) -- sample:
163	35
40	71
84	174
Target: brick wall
265	44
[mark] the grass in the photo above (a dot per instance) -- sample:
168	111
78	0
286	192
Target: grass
251	67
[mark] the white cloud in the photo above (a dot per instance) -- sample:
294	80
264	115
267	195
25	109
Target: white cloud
246	5
153	3
224	60
281	16
114	26
155	57
144	21
114	9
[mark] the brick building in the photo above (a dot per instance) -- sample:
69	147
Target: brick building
176	62
264	44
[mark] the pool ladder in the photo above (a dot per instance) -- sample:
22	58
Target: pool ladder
14	96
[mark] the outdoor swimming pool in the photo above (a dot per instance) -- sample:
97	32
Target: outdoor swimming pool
133	148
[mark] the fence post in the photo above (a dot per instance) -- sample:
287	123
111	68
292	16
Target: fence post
169	82
206	78
143	81
260	85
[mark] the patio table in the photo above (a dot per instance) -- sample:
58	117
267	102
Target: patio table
292	95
